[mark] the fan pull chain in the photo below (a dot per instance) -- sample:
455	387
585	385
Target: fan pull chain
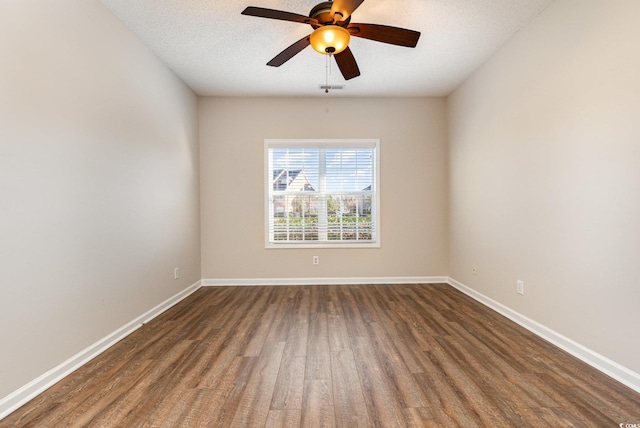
326	73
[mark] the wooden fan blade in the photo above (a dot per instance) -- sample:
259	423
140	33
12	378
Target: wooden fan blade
385	34
347	64
344	8
289	52
262	12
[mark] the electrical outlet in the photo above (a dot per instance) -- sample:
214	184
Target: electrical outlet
520	286
176	273
474	271
316	260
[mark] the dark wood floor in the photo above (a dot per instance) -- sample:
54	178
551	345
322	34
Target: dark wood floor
375	355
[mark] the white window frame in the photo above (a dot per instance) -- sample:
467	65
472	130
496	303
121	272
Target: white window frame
323	143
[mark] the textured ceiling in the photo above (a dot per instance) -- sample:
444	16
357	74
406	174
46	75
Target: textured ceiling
217	51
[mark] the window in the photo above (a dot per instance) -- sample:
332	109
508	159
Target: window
322	193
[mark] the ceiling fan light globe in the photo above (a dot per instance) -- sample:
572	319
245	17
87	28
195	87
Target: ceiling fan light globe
330	39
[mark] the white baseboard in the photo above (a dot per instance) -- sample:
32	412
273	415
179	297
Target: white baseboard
326	281
29	391
595	360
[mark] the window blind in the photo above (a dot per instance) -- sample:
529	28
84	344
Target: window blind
322	192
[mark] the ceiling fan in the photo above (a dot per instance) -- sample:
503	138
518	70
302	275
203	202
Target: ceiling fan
332	29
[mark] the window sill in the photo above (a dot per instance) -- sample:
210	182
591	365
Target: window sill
351	245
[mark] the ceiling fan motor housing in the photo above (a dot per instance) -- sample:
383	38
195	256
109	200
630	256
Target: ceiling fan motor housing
322	13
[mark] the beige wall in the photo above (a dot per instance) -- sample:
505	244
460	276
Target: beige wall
545	175
413	168
98	182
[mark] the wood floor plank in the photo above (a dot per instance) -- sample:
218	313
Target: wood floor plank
383	405
255	403
317	408
290	418
445	400
400	377
477	354
289	387
478	394
356	325
220	402
412	325
336	323
402	340
259	330
318	364
419	417
179	409
345	355
284	316
350	407
144	392
298	334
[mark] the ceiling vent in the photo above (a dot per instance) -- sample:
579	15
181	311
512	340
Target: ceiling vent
331	87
